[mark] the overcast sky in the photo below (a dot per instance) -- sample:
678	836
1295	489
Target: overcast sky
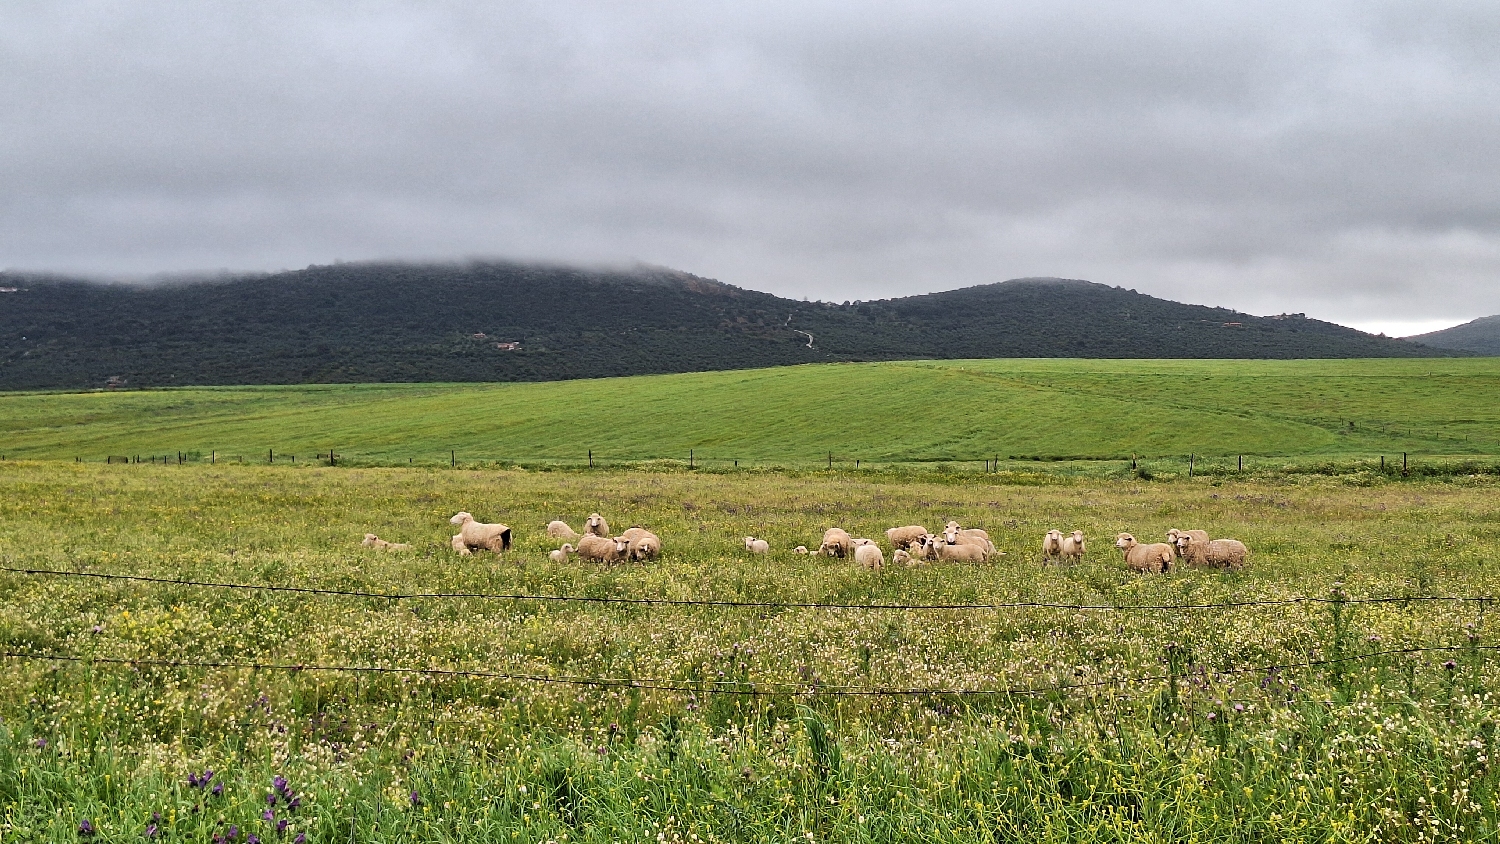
1339	159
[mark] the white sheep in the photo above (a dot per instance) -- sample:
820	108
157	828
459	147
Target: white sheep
644	545
937	548
557	529
1155	558
459	545
955	535
1215	553
800	549
1051	545
836	543
905	537
373	541
596	525
478	536
561	554
1193	535
757	546
1073	547
901	557
867	554
603	549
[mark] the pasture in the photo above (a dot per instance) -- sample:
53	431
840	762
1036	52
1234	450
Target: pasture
1080	416
1000	702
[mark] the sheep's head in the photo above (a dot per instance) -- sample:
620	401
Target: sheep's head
1173	535
1125	541
749	541
567	548
370	537
801	549
460	518
595	520
1078	536
863	541
621	545
1182	542
950	533
1054	535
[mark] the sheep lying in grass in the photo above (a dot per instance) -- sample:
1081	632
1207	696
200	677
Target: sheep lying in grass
757	546
603	549
642	543
800	549
373	541
1073	547
1175	534
955	535
1052	545
937	548
1215	553
902	538
560	530
867	554
901	557
458	545
1155	558
596	525
478	536
836	543
561	554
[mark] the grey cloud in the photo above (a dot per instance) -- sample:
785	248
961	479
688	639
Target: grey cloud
1330	158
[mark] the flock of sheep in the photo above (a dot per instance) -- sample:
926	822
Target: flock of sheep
909	544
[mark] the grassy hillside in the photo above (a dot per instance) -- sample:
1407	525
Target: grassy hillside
1481	336
358	323
881	412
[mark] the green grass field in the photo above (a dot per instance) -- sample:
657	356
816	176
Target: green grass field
1297	721
883	413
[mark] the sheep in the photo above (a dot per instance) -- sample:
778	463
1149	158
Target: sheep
1051	545
800	549
1193	535
460	546
956	527
1155	558
603	549
481	536
757	546
836	543
935	548
1073	547
902	538
596	525
560	530
644	545
901	557
561	554
868	554
1215	553
955	535
373	541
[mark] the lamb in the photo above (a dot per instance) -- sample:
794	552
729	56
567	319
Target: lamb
1215	553
1193	535
1155	558
757	546
902	538
1073	547
596	525
1051	545
800	549
560	530
643	544
373	541
900	557
561	554
603	549
836	543
868	554
481	536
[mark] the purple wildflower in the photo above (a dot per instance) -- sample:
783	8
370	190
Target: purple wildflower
41	743
151	831
252	838
279	783
85	828
271	799
416	799
300	839
281	826
1450	665
268	815
233	833
218	789
1239	707
293	802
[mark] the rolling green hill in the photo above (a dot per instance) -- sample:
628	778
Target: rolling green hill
881	412
1480	336
363	323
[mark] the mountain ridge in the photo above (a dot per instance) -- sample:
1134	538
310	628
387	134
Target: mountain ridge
1480	336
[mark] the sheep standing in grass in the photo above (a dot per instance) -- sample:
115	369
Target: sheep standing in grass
1052	545
836	543
373	541
596	525
1155	558
643	544
867	554
1073	547
559	530
1215	553
902	538
478	536
603	549
561	554
757	546
1175	534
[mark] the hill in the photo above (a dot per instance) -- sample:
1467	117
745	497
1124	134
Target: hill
512	322
893	412
1481	336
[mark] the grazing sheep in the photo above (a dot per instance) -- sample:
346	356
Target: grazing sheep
1193	535
1215	553
836	543
1073	547
373	541
603	549
644	545
800	549
1155	558
1051	545
596	525
478	536
901	557
458	545
902	538
560	530
868	555
561	554
757	546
